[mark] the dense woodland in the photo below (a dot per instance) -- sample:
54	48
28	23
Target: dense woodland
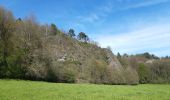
31	51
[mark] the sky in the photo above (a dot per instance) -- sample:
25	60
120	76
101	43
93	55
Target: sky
127	26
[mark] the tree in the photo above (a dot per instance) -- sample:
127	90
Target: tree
125	55
160	71
71	33
6	30
19	19
109	48
54	29
167	57
143	72
147	55
82	36
118	55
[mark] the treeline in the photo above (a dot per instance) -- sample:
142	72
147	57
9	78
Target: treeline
31	51
150	68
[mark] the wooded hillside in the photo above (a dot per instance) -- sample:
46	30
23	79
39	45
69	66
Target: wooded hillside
31	51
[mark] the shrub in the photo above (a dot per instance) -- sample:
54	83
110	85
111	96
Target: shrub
143	72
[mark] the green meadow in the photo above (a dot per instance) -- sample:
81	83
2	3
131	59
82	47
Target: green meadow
31	90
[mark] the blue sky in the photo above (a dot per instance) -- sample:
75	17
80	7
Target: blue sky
127	26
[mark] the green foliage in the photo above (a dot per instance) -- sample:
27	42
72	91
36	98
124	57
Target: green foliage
118	55
54	29
51	76
143	72
98	71
71	33
19	19
83	36
6	33
149	56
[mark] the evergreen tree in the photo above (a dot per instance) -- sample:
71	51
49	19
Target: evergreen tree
71	33
83	36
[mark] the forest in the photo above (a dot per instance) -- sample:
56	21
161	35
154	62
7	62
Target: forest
32	51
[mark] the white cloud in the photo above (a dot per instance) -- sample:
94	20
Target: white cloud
145	4
97	14
91	18
101	12
152	39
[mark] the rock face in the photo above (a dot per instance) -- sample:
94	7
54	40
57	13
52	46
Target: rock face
113	61
150	61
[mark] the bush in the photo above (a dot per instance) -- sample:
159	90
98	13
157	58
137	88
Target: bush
160	71
143	72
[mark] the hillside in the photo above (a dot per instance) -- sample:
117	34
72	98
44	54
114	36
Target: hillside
31	51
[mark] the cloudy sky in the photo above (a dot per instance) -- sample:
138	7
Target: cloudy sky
127	26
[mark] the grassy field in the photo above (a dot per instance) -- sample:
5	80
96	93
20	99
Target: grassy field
29	90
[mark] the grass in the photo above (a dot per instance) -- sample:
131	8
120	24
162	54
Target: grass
29	90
